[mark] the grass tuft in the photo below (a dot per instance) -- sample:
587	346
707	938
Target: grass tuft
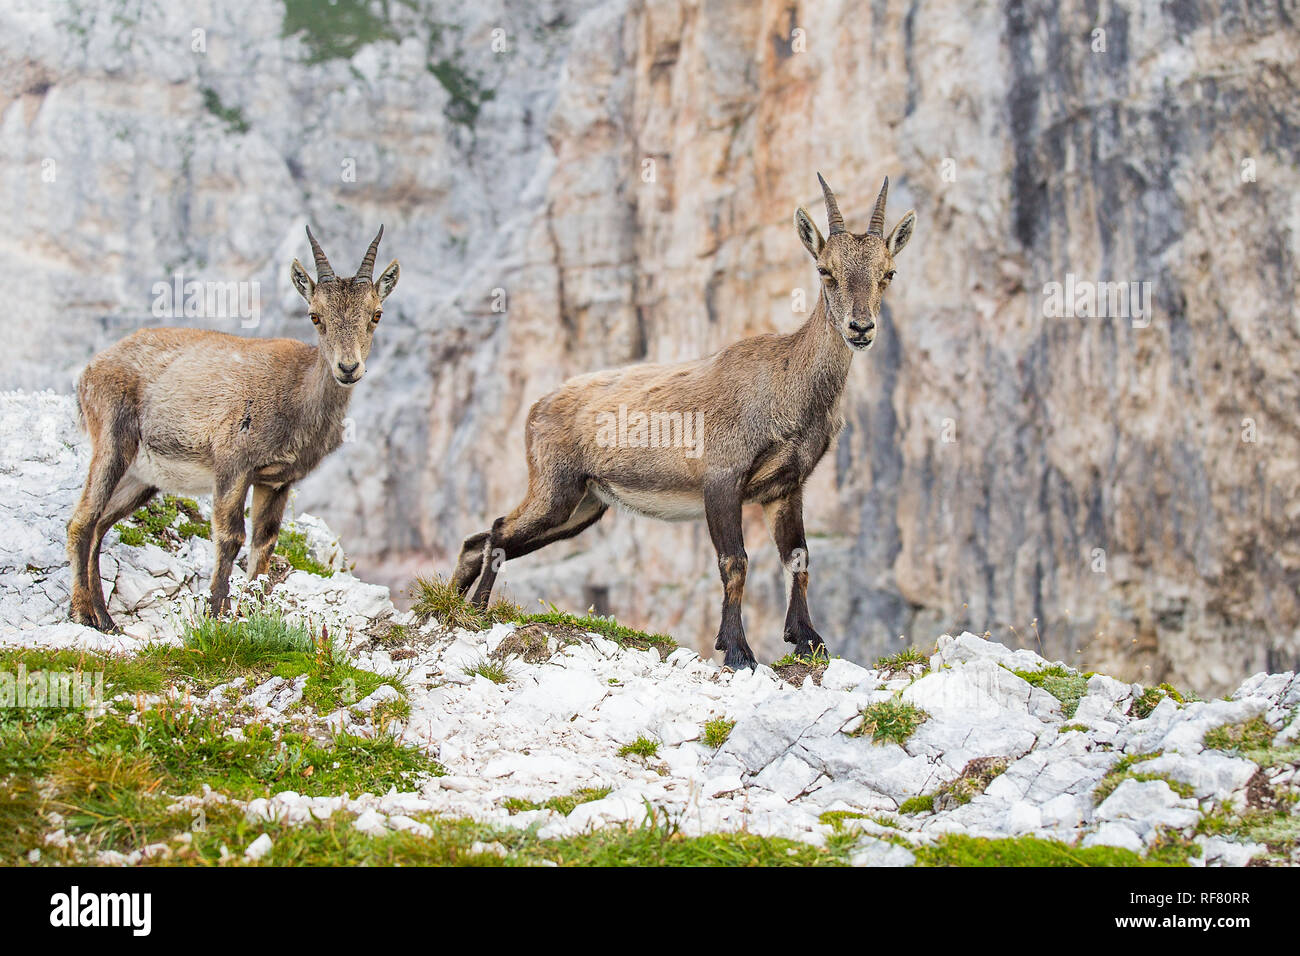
437	600
165	521
890	720
818	658
1066	687
562	805
292	546
923	803
903	660
1150	698
973	780
717	731
641	747
1253	734
336	29
961	850
492	670
1123	769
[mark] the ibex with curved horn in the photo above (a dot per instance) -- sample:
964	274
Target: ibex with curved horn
770	406
188	411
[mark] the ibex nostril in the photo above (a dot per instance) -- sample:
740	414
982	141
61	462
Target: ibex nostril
348	369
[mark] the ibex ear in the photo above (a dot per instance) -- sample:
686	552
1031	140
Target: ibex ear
901	233
809	234
301	280
387	280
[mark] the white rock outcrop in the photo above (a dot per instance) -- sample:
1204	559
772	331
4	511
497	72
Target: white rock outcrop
558	722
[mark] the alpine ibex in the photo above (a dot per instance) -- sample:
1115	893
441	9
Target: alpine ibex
771	407
188	411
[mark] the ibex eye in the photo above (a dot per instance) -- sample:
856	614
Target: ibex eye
889	276
824	273
378	315
315	319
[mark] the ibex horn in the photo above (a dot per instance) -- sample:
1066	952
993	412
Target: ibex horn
877	227
368	263
323	269
833	217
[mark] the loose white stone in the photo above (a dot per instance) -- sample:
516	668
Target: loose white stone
259	847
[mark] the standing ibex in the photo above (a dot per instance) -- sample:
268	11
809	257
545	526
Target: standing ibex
771	406
189	411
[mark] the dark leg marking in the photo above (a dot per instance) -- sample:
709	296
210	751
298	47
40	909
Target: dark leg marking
722	501
129	496
539	520
785	521
268	512
227	534
111	458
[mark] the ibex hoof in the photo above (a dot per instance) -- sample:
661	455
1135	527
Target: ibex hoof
100	622
806	643
739	657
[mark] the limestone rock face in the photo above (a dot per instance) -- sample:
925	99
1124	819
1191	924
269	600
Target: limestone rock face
575	184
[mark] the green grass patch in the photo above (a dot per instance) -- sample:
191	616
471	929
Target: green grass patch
262	645
1150	698
1068	688
890	720
835	818
960	850
562	805
818	658
641	747
492	670
121	674
232	116
973	780
1276	827
292	546
165	521
717	731
1253	734
970	783
903	660
215	650
466	94
923	803
1124	769
388	712
606	627
189	749
334	29
112	777
660	844
221	834
436	600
